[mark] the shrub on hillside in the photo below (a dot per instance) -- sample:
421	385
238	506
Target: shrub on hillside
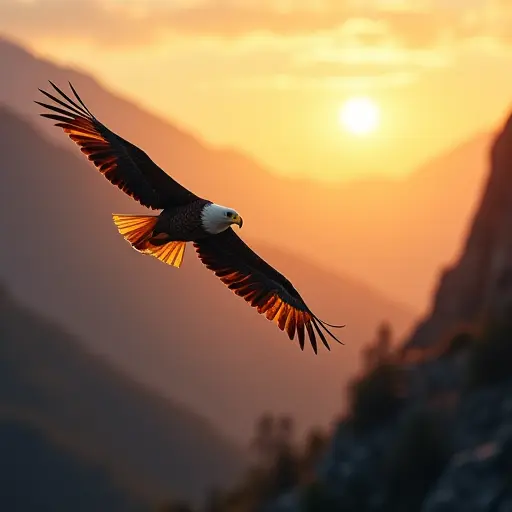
315	498
459	343
375	398
490	359
177	506
415	462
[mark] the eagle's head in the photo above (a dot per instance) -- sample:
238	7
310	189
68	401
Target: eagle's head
216	218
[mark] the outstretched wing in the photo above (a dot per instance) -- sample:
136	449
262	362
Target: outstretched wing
121	162
262	286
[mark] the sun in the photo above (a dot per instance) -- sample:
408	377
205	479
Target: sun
359	115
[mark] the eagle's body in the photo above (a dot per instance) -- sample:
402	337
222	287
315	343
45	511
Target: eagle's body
184	218
183	223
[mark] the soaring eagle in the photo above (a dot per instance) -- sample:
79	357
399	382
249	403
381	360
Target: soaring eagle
184	218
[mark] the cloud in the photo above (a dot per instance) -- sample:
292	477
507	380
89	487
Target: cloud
261	44
287	82
92	21
135	22
145	21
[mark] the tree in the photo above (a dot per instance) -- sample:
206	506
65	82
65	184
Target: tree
263	442
177	506
315	446
376	397
379	351
415	461
490	358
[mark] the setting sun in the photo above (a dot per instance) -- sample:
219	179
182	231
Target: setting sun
359	116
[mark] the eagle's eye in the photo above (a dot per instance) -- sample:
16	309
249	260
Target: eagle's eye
229	214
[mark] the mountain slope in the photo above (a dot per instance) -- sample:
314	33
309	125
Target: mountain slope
51	382
441	439
181	330
479	284
393	235
40	473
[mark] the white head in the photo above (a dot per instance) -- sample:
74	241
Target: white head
217	218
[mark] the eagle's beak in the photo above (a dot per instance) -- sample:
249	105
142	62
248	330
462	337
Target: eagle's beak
238	220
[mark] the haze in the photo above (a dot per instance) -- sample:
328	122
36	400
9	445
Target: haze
355	139
269	77
241	103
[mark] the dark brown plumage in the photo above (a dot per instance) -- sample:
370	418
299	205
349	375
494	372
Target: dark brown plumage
122	163
182	220
261	285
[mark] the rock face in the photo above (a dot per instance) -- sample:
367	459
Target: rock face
478	476
449	447
480	283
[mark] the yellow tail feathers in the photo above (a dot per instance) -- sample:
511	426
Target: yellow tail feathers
138	230
171	253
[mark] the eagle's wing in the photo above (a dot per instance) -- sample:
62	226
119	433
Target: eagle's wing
262	286
122	163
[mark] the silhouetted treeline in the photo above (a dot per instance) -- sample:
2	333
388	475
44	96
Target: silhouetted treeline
410	464
280	464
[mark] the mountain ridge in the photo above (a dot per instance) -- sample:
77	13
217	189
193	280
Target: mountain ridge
393	235
428	427
156	447
86	276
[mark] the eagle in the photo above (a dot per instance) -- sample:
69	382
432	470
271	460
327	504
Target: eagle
184	217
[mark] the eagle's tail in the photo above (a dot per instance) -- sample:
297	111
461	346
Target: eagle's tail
139	230
136	229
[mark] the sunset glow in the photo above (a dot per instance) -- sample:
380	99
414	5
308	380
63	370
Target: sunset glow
359	116
279	71
367	146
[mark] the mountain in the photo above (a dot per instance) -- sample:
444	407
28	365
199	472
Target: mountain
479	283
179	330
429	425
39	473
443	442
67	416
393	235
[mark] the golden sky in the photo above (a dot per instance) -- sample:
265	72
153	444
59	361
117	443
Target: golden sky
269	76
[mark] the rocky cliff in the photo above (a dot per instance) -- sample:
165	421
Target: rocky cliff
429	427
480	282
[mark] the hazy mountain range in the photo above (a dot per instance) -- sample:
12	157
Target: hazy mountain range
76	434
40	472
181	330
348	249
393	235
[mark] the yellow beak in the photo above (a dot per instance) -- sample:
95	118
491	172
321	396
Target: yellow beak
238	220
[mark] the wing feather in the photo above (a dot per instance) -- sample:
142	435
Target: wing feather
262	286
121	162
